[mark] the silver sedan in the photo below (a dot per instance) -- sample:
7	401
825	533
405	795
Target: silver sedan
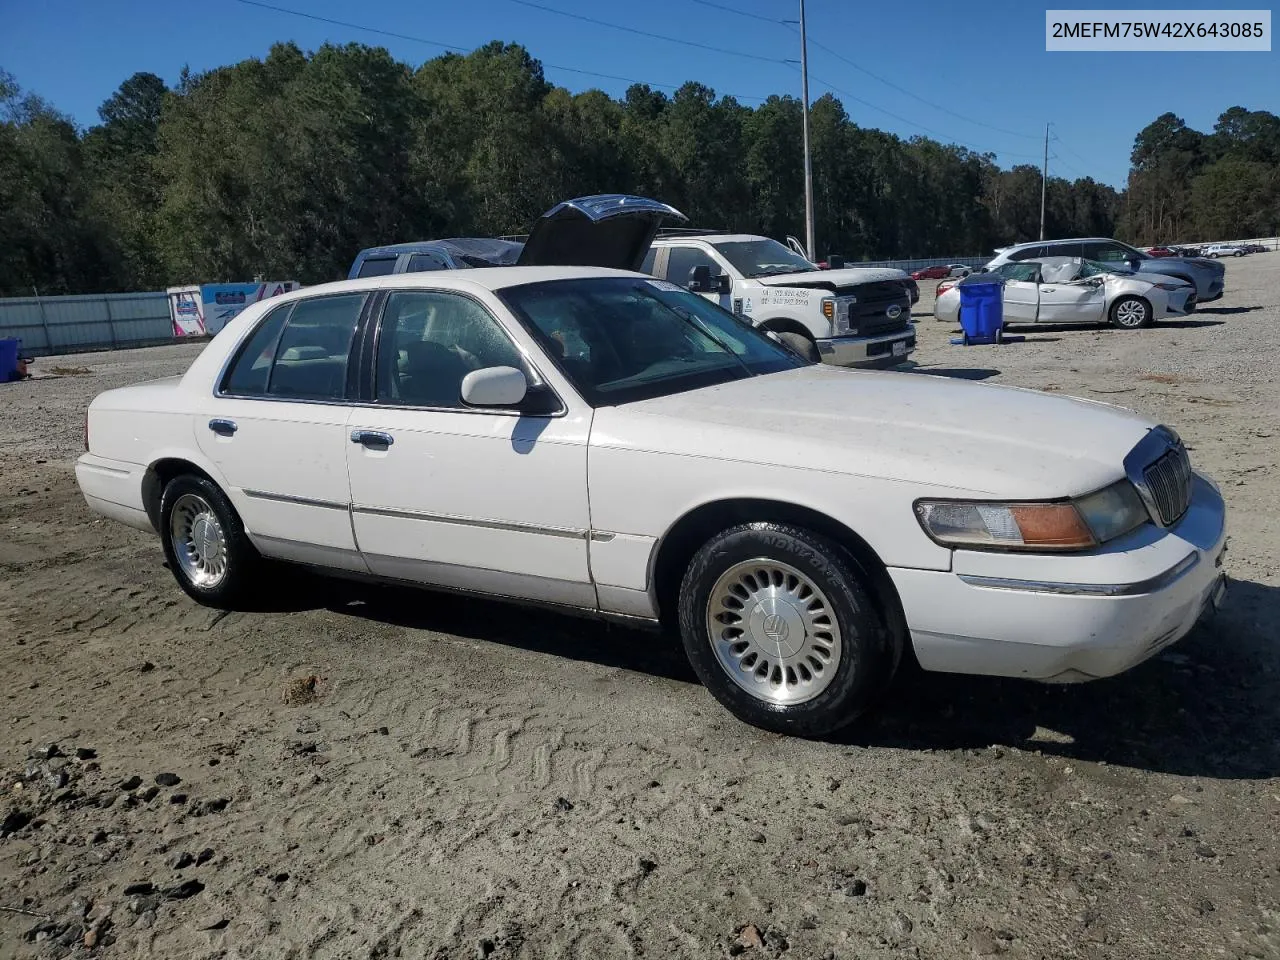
1072	290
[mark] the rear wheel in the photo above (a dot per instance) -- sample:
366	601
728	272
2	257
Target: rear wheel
780	628
205	543
1131	313
799	343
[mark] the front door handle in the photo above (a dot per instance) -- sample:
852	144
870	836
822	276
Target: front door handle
371	438
223	428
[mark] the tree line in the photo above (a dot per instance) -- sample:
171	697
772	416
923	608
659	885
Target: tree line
285	167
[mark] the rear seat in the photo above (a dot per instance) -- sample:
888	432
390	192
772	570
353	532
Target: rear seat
320	378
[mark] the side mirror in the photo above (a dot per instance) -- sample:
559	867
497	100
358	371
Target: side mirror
724	284
835	262
494	387
700	279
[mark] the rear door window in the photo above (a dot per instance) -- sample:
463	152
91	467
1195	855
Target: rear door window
377	267
300	351
1027	253
1105	252
311	358
420	262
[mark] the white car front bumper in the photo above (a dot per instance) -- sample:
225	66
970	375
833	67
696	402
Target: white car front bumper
1069	618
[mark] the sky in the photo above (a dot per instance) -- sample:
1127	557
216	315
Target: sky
973	73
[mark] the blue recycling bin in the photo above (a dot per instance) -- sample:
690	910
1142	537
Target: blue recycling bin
10	350
981	310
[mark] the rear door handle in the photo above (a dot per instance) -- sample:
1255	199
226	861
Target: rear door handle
372	438
223	428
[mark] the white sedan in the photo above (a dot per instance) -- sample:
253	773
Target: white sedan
608	443
1072	290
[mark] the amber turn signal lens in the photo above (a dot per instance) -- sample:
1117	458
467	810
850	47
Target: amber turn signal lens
1051	525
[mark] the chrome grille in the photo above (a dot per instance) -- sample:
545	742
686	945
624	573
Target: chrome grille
1168	481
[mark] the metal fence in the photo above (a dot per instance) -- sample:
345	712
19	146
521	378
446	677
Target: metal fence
921	263
53	325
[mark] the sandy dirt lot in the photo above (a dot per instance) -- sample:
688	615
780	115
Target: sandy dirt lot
469	780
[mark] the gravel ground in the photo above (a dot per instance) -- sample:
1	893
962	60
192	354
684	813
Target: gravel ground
368	772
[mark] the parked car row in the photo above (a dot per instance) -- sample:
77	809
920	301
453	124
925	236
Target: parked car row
572	432
1071	290
942	271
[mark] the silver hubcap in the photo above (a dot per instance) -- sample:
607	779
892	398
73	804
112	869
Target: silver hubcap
1130	313
773	631
198	541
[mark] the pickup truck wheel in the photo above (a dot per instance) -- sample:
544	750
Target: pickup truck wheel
205	543
799	343
779	627
1131	313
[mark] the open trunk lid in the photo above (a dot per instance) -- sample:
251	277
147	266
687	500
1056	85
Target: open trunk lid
607	230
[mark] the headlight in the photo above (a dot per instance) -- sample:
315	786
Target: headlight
1113	511
1069	525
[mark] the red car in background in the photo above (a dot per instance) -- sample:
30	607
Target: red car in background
1161	252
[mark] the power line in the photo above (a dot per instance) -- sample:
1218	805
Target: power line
1058	139
1054	156
740	13
645	33
929	103
457	49
920	126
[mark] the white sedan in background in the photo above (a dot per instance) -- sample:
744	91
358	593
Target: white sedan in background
1072	290
612	444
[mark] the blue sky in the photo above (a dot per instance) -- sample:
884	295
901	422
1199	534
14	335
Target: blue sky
978	71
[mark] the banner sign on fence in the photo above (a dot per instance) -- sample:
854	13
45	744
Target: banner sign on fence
186	309
223	301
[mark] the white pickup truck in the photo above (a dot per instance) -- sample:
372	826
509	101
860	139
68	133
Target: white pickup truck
852	317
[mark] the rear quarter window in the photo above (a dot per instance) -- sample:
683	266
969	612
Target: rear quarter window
377	267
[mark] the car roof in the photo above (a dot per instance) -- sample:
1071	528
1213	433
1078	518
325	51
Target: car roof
412	246
710	237
477	278
1040	243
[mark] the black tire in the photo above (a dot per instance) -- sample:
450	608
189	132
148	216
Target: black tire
242	564
1126	309
799	343
867	656
1238	254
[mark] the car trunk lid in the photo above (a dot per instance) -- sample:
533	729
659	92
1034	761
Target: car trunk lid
607	230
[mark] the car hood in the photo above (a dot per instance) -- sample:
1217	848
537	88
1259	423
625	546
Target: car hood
944	434
844	277
1203	263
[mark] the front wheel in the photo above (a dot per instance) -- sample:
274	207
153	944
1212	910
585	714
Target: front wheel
799	343
779	626
1238	254
205	543
1131	313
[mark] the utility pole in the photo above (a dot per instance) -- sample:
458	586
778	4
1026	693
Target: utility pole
808	161
1044	178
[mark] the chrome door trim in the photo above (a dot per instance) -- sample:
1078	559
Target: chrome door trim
574	533
299	501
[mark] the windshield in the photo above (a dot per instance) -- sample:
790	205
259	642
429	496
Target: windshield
623	339
762	258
